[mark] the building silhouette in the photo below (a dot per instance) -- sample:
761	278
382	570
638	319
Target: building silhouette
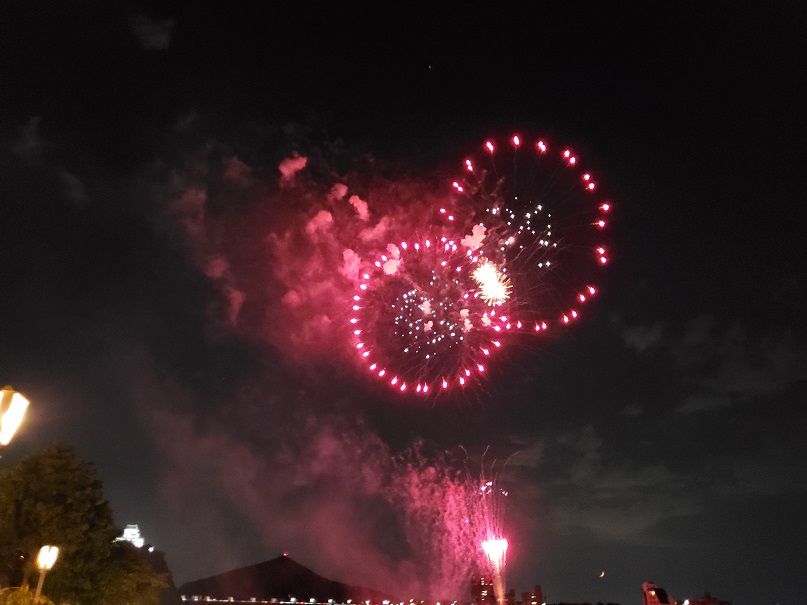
536	597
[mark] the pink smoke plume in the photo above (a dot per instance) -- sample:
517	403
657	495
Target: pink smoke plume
287	264
336	493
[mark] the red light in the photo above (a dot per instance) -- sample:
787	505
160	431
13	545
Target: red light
394	381
603	260
591	187
581	298
592	290
516	141
382	373
481	367
489	146
605	207
600	224
541	146
445	383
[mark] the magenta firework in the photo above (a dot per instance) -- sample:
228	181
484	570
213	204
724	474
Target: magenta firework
515	249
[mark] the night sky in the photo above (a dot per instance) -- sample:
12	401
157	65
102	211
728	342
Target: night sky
167	317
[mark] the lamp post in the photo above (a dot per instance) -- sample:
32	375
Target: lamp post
12	410
45	561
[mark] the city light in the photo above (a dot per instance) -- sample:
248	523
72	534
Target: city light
12	410
45	561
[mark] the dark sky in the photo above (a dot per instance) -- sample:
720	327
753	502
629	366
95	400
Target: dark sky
152	271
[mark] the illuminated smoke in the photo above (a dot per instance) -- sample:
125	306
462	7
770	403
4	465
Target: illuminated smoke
290	167
450	512
411	523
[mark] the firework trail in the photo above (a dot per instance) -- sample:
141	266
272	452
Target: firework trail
449	516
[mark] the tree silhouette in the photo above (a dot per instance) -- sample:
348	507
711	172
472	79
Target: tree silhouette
54	498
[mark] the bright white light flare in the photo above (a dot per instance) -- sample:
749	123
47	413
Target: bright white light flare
496	549
11	417
46	558
494	286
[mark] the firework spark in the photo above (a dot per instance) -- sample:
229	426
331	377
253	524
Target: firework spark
494	286
515	255
496	550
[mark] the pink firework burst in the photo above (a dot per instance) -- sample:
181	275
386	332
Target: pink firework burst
521	241
420	319
537	215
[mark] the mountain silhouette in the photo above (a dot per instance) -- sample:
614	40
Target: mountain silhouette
281	578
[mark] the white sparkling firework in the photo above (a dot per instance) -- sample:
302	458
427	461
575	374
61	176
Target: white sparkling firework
494	287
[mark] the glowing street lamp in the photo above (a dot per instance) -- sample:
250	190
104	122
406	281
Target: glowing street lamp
12	409
45	561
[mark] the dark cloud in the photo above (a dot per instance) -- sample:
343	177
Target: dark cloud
643	338
152	34
29	146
